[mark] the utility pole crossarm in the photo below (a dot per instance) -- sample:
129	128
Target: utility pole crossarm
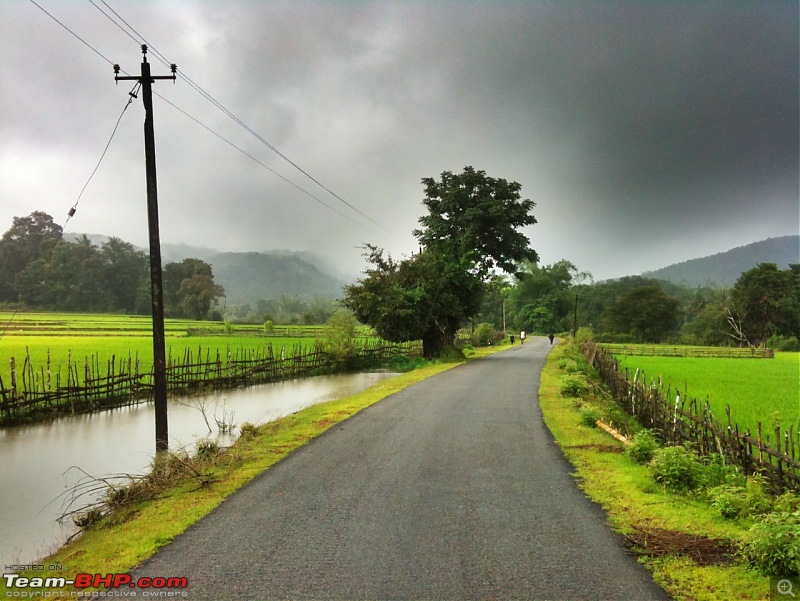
157	294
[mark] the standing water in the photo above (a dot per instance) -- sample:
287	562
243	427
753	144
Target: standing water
36	460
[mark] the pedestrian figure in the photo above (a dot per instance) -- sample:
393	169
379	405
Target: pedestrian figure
551	337
512	339
522	337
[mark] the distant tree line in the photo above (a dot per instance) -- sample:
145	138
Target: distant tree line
41	270
285	309
762	308
476	269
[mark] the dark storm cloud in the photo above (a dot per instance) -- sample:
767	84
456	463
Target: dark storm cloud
647	133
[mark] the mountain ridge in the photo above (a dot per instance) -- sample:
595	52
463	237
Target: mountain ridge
250	276
724	268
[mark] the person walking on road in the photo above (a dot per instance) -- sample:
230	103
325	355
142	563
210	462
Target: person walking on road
551	337
522	337
512	339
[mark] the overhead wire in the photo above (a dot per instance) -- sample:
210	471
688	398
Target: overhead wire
131	95
227	112
85	43
264	165
216	103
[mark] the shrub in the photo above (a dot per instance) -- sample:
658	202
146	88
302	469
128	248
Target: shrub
676	468
450	354
788	502
781	343
207	449
569	366
589	416
735	500
404	363
484	334
772	545
716	473
642	447
573	385
729	500
248	430
584	334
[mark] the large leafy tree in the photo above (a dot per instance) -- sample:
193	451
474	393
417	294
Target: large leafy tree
28	240
190	289
126	276
765	302
470	230
648	313
542	301
475	218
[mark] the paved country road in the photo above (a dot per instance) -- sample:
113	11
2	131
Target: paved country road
450	489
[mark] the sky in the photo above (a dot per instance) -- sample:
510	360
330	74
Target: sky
647	133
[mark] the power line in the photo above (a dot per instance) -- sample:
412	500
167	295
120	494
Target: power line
114	22
265	166
230	114
132	95
85	43
216	103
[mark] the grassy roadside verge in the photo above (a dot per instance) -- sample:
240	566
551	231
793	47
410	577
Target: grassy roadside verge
136	530
636	504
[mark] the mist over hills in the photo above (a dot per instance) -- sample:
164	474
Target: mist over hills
250	276
723	269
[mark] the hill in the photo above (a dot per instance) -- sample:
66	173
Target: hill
250	276
723	269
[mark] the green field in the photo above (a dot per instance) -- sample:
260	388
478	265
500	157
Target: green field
101	337
756	389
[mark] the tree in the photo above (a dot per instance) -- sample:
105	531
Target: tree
647	313
474	217
542	301
764	302
422	298
340	337
29	239
69	279
125	273
189	289
471	229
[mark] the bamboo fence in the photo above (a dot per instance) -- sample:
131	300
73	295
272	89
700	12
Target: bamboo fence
685	420
691	351
36	393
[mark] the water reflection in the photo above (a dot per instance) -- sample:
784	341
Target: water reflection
36	460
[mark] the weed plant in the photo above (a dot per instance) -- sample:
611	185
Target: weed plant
772	545
574	385
677	469
643	446
589	416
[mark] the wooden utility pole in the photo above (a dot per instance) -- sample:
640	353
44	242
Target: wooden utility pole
157	293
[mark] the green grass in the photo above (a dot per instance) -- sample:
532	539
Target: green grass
76	337
631	498
756	389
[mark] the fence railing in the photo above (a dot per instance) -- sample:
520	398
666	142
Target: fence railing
685	420
690	351
44	392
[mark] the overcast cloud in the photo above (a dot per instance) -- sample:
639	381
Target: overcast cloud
647	133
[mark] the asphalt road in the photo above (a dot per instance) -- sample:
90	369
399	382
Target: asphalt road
450	489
